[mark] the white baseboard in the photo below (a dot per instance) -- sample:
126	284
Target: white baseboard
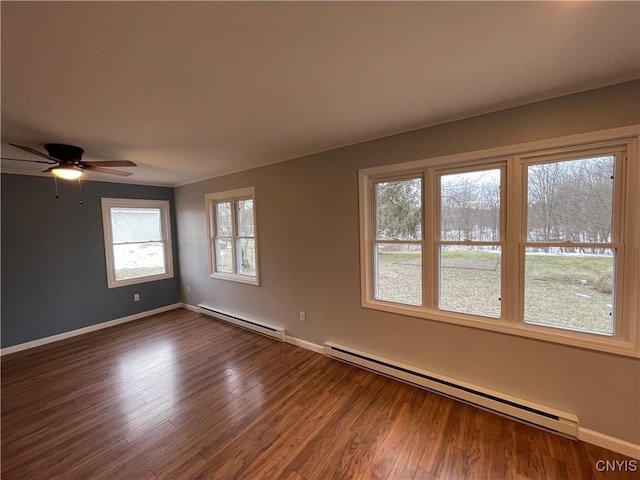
288	338
304	344
610	443
191	308
82	331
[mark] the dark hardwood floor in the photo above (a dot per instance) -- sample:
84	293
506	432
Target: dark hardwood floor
178	396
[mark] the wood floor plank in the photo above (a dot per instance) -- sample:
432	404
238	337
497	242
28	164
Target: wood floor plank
291	441
372	428
415	442
321	455
179	396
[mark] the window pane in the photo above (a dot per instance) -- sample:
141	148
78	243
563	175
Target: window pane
135	260
470	280
247	256
136	225
245	218
223	219
571	200
224	262
399	210
470	206
570	289
399	273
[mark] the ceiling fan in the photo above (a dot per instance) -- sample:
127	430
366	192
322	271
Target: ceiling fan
67	161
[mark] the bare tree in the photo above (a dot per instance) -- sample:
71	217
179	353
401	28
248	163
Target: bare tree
461	198
544	186
571	200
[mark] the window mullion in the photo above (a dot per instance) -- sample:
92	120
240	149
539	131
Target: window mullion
514	224
431	207
234	235
621	327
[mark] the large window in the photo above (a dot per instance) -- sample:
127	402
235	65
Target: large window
539	241
232	235
137	241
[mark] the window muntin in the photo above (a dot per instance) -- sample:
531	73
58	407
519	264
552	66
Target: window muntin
618	332
233	245
137	241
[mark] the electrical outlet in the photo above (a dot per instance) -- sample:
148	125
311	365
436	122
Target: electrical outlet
136	297
303	316
188	288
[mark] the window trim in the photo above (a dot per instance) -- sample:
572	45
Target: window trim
165	218
626	340
211	199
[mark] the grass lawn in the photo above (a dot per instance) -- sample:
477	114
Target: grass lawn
559	289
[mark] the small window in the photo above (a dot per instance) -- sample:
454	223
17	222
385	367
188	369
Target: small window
137	241
232	235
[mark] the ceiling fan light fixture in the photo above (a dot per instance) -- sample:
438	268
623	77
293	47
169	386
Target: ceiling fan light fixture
67	172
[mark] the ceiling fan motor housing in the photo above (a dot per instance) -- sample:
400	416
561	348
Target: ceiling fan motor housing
64	153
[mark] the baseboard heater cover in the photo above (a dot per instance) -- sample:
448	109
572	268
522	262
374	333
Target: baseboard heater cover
534	414
254	325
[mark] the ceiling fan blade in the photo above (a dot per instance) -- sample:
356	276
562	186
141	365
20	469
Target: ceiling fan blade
35	152
24	160
92	168
110	163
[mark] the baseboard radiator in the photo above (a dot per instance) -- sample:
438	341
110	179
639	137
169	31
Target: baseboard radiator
254	325
540	416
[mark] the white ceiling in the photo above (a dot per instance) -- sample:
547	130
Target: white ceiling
193	90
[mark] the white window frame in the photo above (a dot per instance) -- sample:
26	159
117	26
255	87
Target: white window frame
514	159
165	218
232	196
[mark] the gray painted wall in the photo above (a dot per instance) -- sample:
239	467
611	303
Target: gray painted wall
307	217
53	260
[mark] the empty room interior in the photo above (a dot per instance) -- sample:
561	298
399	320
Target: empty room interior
320	240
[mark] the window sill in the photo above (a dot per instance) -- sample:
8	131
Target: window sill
230	277
572	338
137	280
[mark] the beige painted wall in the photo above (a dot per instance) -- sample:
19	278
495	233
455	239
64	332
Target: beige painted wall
307	212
